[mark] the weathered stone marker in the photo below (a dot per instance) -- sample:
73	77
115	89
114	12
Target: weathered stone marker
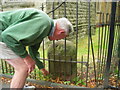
61	64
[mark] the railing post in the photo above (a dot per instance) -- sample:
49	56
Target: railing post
89	31
110	46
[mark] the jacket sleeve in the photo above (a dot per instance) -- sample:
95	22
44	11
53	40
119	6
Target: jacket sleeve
33	51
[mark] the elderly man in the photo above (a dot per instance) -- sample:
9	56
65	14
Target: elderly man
27	27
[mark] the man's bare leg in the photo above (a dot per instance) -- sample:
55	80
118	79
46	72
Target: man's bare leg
18	81
21	72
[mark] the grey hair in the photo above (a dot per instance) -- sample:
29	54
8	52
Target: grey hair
65	24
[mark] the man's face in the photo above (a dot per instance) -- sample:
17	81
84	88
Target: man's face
58	34
61	34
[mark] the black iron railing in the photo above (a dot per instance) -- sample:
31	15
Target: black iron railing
96	61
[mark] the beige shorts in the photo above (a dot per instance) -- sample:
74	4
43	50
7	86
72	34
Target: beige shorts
6	53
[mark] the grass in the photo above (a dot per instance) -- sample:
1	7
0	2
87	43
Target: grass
83	43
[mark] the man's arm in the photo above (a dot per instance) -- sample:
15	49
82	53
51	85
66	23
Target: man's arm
30	63
33	51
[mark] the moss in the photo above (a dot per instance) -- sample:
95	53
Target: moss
60	49
62	57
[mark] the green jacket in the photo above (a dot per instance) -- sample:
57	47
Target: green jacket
25	27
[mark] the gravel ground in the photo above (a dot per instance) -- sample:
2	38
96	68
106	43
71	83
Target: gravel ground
4	85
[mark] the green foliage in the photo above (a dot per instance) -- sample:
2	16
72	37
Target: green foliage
78	81
39	76
99	78
48	77
81	82
67	82
9	73
116	71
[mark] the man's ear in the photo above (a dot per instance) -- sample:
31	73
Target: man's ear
61	31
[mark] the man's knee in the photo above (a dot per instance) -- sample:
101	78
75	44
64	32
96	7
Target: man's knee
22	68
18	64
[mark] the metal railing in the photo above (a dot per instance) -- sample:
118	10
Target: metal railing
95	62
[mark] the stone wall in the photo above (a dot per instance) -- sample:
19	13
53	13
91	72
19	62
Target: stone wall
0	5
71	15
15	4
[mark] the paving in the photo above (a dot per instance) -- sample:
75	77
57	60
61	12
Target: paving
4	85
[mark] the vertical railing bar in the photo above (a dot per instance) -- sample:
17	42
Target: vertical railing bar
99	36
82	67
110	47
105	44
107	41
60	70
59	66
76	29
64	9
115	39
93	55
42	7
118	75
88	42
103	49
65	41
49	62
6	67
9	70
117	30
53	40
2	66
99	30
35	73
71	68
106	52
101	44
13	70
43	42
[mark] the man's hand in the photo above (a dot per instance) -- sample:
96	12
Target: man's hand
30	63
44	71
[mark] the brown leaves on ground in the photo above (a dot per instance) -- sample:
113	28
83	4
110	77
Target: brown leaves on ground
113	81
5	80
57	80
91	83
